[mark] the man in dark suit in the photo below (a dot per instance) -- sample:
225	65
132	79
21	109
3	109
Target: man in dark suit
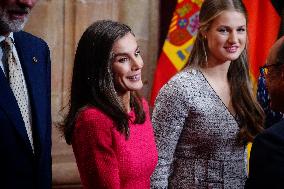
25	113
267	153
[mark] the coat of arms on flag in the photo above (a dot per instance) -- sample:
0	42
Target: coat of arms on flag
178	44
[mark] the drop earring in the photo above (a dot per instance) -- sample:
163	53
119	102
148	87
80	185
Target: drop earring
204	49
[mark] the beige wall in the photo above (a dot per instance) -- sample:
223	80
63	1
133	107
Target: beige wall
61	23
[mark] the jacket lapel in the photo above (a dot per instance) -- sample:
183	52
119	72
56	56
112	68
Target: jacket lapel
10	106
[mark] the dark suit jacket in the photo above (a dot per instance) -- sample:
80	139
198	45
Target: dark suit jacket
267	159
21	168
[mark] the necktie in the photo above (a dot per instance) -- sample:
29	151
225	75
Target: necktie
17	84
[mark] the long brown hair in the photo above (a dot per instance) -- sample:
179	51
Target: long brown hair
250	115
92	81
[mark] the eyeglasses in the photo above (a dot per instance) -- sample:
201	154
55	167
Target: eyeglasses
264	70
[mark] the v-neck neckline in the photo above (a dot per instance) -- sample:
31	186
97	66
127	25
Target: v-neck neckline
212	89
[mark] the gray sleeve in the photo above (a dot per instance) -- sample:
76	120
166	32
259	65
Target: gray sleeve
168	119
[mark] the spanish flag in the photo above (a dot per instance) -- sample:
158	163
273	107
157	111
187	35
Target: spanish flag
178	44
263	28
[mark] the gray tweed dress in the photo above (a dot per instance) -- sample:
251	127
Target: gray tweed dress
196	137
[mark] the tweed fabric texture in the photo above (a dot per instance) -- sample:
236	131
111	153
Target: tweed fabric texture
106	159
196	137
18	86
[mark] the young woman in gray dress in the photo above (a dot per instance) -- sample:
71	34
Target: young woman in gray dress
205	115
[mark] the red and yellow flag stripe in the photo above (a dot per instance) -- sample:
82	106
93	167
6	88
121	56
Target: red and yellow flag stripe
178	44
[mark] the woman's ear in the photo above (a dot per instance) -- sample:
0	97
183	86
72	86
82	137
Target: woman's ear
203	34
204	37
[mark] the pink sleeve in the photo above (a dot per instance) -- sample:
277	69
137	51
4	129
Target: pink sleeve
93	148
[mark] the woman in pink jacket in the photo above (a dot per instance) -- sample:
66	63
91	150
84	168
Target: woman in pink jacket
108	124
